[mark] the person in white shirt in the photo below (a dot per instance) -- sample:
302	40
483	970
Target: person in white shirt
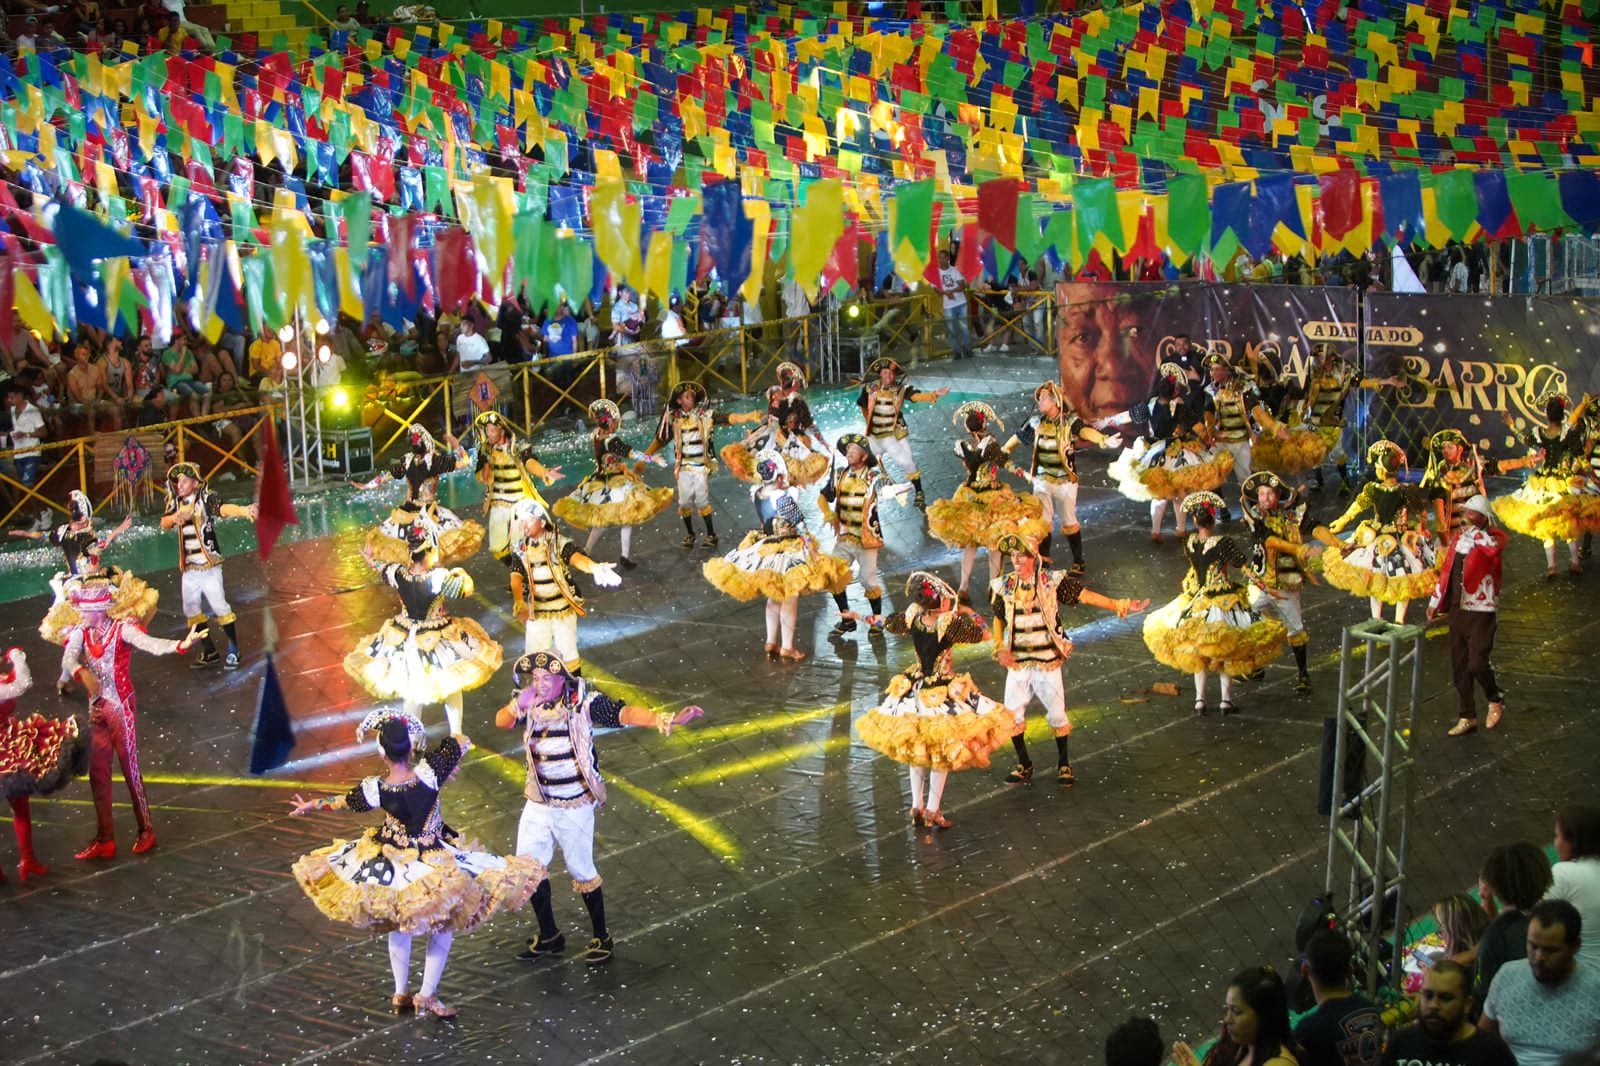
1546	1007
27	432
472	350
1577	874
953	289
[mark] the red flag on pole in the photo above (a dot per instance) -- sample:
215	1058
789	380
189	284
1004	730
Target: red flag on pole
274	502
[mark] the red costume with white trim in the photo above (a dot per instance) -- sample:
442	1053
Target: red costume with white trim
1480	553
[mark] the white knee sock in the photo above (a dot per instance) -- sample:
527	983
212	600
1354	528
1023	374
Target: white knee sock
936	780
1550	554
1158	511
1400	613
400	961
453	712
433	965
919	779
627	542
1572	550
1200	685
994	566
1180	518
591	541
773	610
788	616
1227	688
968	557
1376	605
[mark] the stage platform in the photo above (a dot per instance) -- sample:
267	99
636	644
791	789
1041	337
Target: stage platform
769	900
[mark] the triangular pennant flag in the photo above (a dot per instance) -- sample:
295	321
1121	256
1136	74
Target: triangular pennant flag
274	737
274	502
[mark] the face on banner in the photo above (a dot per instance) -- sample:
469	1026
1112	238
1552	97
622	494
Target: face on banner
1108	352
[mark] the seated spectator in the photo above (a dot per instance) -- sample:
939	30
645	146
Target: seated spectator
181	371
118	376
88	400
155	408
214	362
1443	1034
364	14
266	354
471	349
1136	1042
1345	1028
228	396
344	20
1514	878
1576	876
527	341
1547	1005
26	434
1255	1025
1461	920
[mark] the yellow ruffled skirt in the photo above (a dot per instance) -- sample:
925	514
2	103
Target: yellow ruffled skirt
1166	471
39	755
804	465
459	539
614	499
372	885
134	601
972	519
776	567
941	724
1386	565
425	662
1304	450
1549	507
1215	632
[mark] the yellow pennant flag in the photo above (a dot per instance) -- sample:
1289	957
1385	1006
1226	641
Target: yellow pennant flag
658	266
29	305
350	302
760	213
616	231
815	229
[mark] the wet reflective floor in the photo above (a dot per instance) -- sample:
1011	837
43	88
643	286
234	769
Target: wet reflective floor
769	900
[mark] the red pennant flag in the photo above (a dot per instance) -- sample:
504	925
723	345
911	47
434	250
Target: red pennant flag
274	503
997	211
969	259
1341	202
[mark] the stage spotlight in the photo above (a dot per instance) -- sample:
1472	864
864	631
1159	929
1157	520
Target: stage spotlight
339	399
854	311
286	334
322	327
324	353
290	360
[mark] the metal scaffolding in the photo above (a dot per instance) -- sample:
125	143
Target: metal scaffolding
1380	681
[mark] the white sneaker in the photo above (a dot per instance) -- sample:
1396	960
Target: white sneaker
1005	347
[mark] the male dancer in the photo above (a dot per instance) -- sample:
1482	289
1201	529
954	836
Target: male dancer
686	425
506	468
1030	642
542	590
1276	517
849	502
1053	467
1235	403
193	510
883	405
558	712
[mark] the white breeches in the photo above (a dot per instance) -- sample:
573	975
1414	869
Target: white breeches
202	593
694	489
557	633
1045	685
897	450
542	829
1283	604
865	560
1060	500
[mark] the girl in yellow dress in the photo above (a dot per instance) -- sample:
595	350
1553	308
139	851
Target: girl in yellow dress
1211	626
983	508
787	428
1391	558
933	719
408	876
780	561
1175	461
614	494
1552	504
420	469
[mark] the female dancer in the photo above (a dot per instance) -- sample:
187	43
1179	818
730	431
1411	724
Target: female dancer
933	719
613	495
780	560
1454	476
1391	558
787	428
81	549
1210	627
420	469
1552	505
422	655
407	876
983	507
36	758
1299	447
1174	462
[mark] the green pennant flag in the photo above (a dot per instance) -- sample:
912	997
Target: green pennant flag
1188	213
910	224
357	211
680	212
574	269
244	219
436	190
1457	200
645	109
530	253
1095	201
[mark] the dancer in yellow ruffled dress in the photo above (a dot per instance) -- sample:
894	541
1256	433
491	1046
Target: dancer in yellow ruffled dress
409	877
1300	447
81	550
614	494
1552	504
983	508
1211	626
1174	461
933	719
420	469
1391	558
1454	476
422	655
786	427
780	561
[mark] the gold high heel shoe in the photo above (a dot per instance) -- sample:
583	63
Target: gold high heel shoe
431	1005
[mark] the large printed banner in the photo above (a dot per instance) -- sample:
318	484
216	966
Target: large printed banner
1467	362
